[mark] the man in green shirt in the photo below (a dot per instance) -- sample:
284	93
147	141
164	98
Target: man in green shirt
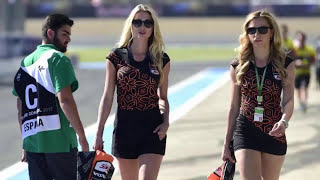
48	115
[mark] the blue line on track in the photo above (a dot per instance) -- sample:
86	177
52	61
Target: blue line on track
176	99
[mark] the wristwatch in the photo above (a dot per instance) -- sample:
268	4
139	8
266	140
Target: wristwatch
285	122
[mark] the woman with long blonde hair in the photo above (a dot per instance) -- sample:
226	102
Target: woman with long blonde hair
257	120
139	68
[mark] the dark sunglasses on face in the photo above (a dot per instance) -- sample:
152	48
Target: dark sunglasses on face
261	30
138	23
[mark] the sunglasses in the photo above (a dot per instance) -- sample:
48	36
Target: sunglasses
261	30
138	23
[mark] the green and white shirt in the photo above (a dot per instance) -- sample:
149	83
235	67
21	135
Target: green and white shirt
45	128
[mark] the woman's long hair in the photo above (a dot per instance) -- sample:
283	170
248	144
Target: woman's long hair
155	43
245	50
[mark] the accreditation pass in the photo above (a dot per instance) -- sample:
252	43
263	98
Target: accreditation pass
258	114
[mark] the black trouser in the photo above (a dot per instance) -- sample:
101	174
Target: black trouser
302	81
48	166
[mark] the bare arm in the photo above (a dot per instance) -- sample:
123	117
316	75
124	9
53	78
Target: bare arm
232	115
234	107
69	107
288	94
19	108
105	102
164	103
163	94
287	103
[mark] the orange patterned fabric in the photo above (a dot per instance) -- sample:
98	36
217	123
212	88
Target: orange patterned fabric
136	84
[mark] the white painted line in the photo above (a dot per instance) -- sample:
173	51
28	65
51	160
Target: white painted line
201	96
13	170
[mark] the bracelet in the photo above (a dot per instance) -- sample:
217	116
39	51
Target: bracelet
285	122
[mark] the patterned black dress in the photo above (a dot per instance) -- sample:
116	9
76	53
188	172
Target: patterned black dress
250	134
138	111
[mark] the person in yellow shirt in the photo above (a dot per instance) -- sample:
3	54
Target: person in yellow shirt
287	41
305	57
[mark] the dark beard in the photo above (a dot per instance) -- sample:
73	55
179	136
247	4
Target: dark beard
58	44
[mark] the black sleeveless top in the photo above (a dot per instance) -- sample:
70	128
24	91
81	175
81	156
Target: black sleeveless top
137	82
271	93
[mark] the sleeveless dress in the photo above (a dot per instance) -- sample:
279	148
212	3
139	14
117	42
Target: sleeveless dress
250	134
138	112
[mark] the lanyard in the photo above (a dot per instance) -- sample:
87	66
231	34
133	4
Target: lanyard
260	85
